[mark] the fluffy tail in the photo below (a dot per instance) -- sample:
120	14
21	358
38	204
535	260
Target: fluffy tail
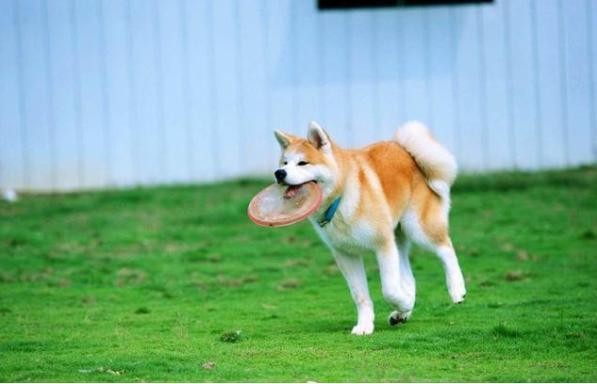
436	162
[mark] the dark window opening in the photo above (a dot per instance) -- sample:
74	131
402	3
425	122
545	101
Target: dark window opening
348	4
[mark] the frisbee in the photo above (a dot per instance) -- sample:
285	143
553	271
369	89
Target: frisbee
281	205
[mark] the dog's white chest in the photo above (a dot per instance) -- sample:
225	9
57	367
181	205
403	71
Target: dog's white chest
348	238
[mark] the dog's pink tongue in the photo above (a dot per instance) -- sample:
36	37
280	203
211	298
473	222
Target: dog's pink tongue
291	191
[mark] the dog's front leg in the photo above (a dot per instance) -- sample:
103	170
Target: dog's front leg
353	269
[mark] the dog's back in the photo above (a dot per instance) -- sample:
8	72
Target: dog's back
413	170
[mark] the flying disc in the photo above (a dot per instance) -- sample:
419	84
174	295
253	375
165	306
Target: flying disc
281	205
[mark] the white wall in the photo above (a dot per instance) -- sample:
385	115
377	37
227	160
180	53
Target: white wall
97	93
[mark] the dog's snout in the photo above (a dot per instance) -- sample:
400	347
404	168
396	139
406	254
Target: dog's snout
280	175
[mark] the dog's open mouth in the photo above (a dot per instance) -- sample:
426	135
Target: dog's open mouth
293	190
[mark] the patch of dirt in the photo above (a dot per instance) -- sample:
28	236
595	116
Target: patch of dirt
236	282
516	276
231	337
289	284
296	263
129	276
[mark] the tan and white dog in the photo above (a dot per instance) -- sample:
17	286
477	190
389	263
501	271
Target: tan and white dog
379	198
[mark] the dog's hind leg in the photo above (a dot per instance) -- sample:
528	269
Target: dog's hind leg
396	280
426	223
434	236
454	278
353	269
407	280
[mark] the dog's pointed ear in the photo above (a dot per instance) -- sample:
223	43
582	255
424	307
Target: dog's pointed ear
319	137
283	138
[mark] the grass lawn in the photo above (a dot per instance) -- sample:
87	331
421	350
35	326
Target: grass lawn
154	283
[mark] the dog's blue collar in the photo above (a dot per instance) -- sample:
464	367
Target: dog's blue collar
329	213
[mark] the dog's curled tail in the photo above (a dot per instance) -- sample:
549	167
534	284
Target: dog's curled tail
435	161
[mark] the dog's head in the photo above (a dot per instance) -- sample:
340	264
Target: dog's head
305	160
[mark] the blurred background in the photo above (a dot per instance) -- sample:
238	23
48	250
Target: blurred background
104	93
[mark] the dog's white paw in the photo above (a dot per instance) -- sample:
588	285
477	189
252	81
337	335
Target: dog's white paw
363	329
396	317
457	290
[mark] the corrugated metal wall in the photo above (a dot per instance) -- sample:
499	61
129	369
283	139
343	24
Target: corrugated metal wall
98	93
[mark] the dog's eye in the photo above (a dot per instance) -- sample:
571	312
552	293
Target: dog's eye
286	163
301	163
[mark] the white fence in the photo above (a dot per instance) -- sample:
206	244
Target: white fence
97	93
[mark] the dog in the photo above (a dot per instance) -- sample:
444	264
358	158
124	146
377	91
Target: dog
378	199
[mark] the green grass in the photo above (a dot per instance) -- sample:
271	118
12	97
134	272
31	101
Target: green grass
175	283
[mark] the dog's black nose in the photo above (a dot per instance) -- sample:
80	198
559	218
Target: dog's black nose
280	175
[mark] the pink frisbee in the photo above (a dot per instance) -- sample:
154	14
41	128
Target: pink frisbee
281	205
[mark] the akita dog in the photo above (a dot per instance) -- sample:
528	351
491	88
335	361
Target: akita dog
379	198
